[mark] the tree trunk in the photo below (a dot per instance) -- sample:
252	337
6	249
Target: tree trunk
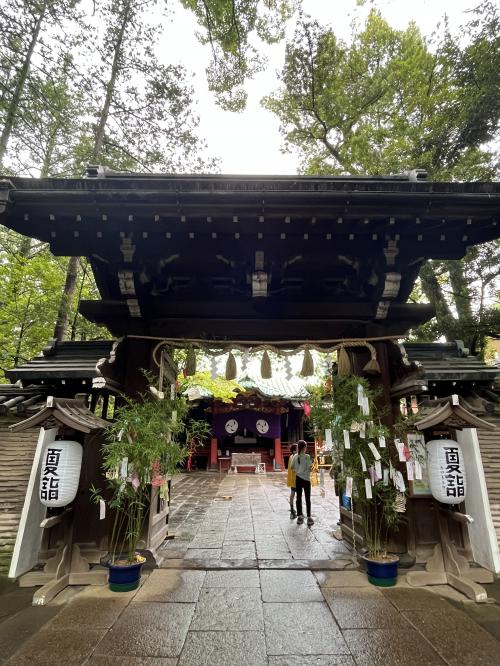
18	90
432	289
110	87
462	298
66	299
72	270
82	284
20	337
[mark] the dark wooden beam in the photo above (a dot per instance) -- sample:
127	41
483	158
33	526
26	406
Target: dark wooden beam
252	326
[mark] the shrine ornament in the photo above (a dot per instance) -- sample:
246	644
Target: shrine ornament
60	472
445	462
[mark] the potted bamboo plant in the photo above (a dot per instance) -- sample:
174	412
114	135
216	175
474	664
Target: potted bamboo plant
146	443
367	471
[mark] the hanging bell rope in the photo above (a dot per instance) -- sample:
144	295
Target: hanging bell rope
266	371
161	370
344	363
283	347
213	367
231	369
373	366
215	350
190	362
307	364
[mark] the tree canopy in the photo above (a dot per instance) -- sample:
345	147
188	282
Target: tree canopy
391	100
83	83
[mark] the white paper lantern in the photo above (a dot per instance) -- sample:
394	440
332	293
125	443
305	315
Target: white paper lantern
60	472
445	462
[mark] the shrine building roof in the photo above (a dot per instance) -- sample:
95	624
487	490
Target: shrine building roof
253	257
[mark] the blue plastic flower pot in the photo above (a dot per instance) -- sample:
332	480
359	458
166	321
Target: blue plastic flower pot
382	573
124	577
346	502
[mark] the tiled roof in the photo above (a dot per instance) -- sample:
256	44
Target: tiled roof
15	400
277	387
449	361
63	360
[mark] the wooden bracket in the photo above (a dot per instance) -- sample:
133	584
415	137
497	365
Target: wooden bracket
67	567
447	567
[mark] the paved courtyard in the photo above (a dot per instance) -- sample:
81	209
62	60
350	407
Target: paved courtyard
244	518
242	584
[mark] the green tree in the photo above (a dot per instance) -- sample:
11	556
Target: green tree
229	26
46	133
30	292
390	100
123	109
466	295
28	38
141	111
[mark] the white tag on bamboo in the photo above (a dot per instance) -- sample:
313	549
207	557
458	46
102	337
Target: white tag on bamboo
418	470
328	438
381	441
347	440
124	468
172	391
373	449
361	395
102	509
365	407
410	470
363	462
386	476
368	489
399	481
401	450
348	486
378	470
362	430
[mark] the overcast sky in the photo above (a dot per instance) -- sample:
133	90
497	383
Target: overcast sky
250	142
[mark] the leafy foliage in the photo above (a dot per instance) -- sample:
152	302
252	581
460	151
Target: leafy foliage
220	388
30	291
466	297
30	46
83	83
151	438
390	100
141	111
334	405
228	27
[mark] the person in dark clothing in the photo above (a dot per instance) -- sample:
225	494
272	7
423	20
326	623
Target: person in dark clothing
302	466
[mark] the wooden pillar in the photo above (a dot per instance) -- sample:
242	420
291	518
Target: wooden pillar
213	453
105	405
278	453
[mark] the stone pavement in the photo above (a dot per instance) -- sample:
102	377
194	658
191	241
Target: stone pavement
255	602
244	519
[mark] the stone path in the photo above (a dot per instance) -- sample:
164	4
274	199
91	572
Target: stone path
252	525
249	605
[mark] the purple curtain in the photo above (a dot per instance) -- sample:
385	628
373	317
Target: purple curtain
257	423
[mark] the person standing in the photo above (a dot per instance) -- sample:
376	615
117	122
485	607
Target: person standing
290	480
301	463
